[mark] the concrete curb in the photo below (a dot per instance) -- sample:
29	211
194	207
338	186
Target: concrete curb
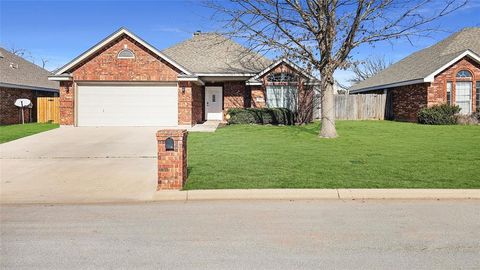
316	194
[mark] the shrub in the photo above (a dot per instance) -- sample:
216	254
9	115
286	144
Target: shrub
470	119
263	116
476	114
438	115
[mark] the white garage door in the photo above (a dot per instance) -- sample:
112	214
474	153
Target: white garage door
127	105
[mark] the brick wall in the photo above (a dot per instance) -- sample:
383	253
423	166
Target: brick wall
105	66
9	113
258	96
67	103
408	100
437	93
172	165
190	103
234	95
197	104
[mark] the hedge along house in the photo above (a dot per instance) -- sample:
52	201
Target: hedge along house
20	78
124	81
447	72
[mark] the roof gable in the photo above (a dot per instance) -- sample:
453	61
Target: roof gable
108	40
288	63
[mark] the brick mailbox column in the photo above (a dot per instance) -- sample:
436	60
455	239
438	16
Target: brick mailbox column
172	158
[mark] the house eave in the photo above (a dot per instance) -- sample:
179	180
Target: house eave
60	77
190	79
386	86
28	87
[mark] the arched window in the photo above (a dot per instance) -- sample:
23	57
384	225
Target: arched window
125	54
282	77
464	74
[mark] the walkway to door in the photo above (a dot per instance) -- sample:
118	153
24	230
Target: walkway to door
208	126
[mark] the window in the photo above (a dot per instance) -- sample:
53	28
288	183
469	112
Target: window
463	96
477	99
213	98
282	77
449	93
125	54
464	74
282	96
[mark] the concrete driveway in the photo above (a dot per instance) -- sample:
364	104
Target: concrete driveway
80	165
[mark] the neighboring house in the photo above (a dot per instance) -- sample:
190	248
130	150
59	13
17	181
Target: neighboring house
124	81
20	78
447	72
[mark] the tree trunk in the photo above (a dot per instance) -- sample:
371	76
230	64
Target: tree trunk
328	129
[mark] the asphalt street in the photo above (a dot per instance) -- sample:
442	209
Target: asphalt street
330	234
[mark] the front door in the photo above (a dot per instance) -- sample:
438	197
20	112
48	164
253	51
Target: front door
213	103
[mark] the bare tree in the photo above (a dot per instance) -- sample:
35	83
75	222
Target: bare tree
322	33
18	51
44	62
363	70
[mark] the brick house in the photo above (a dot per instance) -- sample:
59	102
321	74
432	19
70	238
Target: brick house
447	72
20	78
124	81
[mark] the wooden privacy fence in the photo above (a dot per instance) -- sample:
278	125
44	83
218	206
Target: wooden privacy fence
360	107
48	110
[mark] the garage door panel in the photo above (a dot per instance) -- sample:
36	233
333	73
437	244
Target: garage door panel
127	106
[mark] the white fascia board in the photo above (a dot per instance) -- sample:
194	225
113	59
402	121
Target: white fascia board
225	74
60	78
474	56
191	79
253	83
110	39
291	64
384	86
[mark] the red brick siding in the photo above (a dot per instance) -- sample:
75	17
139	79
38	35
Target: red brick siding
197	104
408	100
67	103
234	95
9	113
185	103
190	103
305	103
258	96
438	91
105	66
172	165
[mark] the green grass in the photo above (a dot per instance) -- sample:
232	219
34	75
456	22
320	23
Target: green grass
368	154
13	132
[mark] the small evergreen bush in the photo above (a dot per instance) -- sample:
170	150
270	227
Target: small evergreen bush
262	116
439	115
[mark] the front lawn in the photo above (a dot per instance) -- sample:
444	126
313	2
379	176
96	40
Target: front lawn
13	132
368	154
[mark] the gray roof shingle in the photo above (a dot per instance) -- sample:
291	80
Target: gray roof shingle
214	53
14	70
425	62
